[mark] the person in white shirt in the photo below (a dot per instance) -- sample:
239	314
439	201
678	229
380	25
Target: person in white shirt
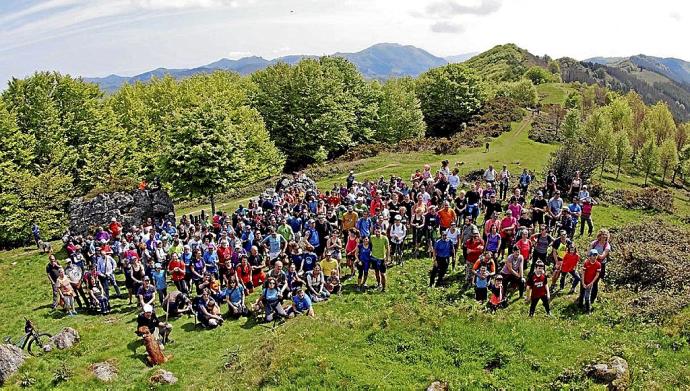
398	232
453	234
490	175
453	182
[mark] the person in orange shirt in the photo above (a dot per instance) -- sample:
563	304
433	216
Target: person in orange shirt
349	220
446	216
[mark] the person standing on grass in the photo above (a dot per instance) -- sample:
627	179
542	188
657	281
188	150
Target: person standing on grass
454	235
504	182
569	266
559	248
474	249
603	248
525	180
381	253
481	284
442	251
36	232
53	272
538	289
160	281
591	272
105	266
363	256
586	216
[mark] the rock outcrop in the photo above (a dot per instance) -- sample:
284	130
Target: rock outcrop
614	374
163	377
130	209
104	371
65	339
11	358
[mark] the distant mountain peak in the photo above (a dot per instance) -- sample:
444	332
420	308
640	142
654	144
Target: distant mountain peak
378	61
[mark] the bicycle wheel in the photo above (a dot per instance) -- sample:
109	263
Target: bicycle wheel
37	343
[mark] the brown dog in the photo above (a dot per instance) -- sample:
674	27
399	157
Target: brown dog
154	354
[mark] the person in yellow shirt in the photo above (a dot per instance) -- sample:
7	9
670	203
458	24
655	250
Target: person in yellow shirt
328	264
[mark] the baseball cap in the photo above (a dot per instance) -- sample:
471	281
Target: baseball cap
593	251
148	308
158	265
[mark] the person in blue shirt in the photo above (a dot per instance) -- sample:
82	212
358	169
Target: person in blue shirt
36	231
314	239
309	260
364	225
234	295
525	180
270	298
442	250
159	280
364	258
301	304
211	260
575	212
295	223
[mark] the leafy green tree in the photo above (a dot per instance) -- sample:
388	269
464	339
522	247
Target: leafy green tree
649	159
659	121
555	68
573	101
205	156
306	107
621	115
622	150
448	96
539	75
668	157
400	113
523	92
570	128
598	135
217	141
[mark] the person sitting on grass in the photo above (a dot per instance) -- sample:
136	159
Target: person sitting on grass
160	330
176	303
513	271
208	311
316	285
234	296
301	304
270	299
333	283
96	294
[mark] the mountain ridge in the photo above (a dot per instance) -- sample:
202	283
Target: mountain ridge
379	61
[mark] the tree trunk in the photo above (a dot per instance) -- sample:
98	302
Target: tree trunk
213	205
673	178
603	164
619	170
663	176
646	174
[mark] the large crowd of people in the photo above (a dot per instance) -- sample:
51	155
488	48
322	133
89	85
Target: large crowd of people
297	246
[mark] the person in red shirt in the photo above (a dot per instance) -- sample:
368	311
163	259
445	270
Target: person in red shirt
176	268
538	289
591	270
570	261
244	273
115	227
508	227
525	245
475	248
224	252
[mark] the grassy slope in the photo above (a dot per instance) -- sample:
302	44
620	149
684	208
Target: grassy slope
400	340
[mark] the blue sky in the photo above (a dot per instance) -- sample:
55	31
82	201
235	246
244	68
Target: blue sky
99	37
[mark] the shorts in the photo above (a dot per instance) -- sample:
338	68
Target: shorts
379	265
363	266
350	260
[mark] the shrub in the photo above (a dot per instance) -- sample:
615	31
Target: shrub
650	262
652	198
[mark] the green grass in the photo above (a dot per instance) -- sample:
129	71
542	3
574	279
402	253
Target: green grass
553	93
404	339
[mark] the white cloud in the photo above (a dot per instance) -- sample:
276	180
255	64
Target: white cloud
447	27
446	8
182	4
